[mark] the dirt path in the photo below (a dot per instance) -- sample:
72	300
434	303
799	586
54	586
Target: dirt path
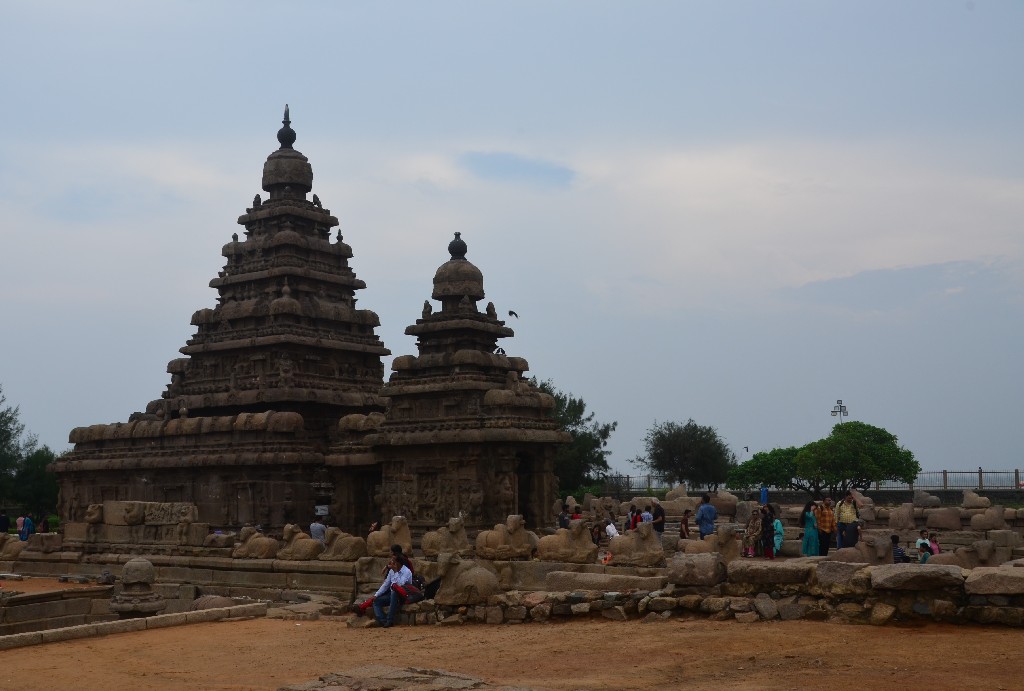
593	654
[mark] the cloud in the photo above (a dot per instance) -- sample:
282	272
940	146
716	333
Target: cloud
502	166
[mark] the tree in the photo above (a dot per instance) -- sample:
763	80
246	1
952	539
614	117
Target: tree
35	487
11	431
853	456
775	468
583	460
686	452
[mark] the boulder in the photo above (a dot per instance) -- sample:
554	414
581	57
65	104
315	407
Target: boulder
697	569
924	500
572	544
1002	580
744	509
832	574
341	546
874	547
992	519
724	503
567	581
508	540
943	519
767	572
723	541
973	501
676	492
903	518
916	577
640	547
451	539
378	543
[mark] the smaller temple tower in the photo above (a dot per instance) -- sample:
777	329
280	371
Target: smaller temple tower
464	432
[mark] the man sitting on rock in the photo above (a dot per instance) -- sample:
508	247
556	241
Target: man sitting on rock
387	595
899	555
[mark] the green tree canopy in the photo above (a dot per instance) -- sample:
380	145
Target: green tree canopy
775	468
686	452
853	456
35	487
23	475
11	448
584	460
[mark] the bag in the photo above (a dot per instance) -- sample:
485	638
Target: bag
412	591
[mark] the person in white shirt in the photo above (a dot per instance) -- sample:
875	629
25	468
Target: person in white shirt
609	529
398	574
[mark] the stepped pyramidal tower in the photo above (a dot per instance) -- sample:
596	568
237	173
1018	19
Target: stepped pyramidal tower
279	404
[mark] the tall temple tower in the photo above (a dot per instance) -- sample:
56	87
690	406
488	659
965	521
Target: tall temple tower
243	427
464	431
279	404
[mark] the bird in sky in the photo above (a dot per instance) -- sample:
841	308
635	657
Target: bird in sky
513	314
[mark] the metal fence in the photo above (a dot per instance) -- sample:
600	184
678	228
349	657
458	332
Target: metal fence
624	486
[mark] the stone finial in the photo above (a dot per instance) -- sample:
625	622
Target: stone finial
457	247
286	135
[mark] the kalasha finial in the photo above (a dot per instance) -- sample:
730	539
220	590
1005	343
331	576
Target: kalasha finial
457	247
286	135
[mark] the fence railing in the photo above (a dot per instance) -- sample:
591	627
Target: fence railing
624	486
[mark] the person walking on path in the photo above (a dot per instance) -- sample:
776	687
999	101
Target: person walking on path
826	525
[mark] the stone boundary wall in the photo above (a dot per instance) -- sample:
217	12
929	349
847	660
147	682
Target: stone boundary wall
19	640
763	591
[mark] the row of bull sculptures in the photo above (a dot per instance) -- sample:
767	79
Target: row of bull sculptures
506	541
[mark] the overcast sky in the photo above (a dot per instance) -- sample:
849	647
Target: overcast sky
736	212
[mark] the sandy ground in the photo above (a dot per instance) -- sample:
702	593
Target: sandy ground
592	654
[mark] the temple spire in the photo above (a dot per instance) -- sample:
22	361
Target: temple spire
286	135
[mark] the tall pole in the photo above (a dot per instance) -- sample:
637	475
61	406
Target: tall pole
839	410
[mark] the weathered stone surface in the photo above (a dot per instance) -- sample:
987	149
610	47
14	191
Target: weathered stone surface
916	577
766	572
766	606
747	617
570	580
615	613
995	581
881	613
973	501
451	539
696	569
991	519
924	500
943	519
1005	538
464	582
792	610
714	604
572	545
580	608
508	540
660	604
902	518
640	547
836	573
